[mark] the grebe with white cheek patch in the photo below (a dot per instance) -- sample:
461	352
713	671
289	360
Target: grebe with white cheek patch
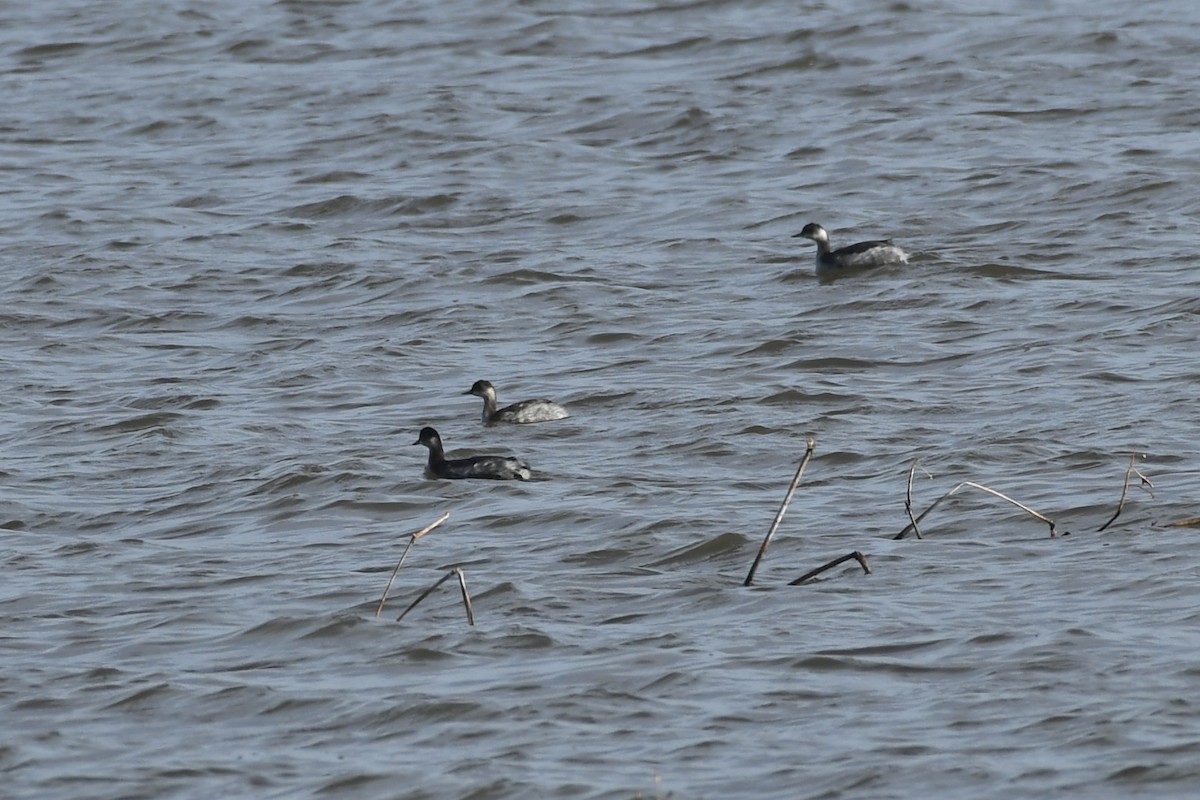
855	256
523	412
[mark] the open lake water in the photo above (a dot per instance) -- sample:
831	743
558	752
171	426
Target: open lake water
251	248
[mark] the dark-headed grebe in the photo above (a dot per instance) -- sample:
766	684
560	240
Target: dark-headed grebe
500	468
525	411
863	254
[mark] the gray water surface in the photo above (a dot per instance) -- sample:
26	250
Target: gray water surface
252	248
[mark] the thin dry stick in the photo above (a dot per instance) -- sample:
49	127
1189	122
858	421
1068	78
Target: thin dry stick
411	541
812	445
857	556
462	584
981	487
426	593
908	496
1133	457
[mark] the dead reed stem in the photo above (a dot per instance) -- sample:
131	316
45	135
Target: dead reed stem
808	453
912	525
908	496
411	541
466	596
462	583
857	556
1145	484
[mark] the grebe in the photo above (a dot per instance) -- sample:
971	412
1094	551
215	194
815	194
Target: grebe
500	468
863	254
523	412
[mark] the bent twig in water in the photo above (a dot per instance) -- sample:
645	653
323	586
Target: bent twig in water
1145	484
462	583
857	556
411	541
912	525
812	445
908	496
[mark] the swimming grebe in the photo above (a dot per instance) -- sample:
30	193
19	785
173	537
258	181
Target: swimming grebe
500	468
863	254
525	411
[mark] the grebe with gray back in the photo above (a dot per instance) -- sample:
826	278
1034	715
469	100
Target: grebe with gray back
499	468
855	256
523	412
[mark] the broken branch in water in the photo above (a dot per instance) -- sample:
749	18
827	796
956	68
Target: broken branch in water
1145	484
857	556
812	445
912	525
411	541
462	583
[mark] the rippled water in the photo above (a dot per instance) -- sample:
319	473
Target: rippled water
252	248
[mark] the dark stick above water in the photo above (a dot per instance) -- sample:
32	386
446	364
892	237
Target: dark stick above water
856	555
812	445
462	584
